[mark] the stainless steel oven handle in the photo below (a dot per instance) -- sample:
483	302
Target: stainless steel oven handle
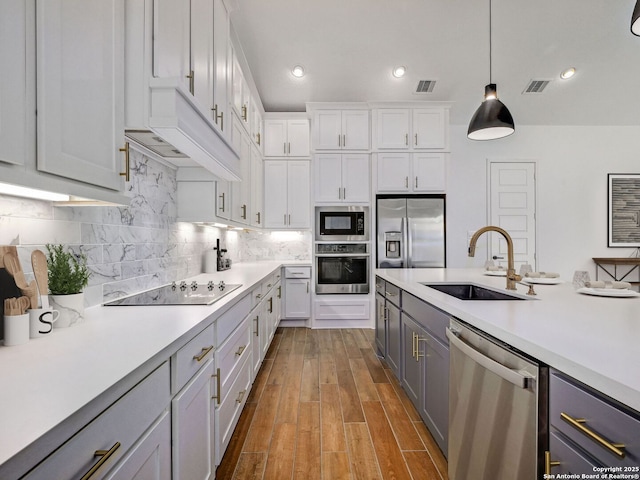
519	379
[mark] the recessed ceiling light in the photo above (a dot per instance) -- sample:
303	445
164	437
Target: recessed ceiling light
298	71
568	73
399	71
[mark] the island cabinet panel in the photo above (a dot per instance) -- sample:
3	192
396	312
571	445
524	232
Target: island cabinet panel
577	412
115	432
381	324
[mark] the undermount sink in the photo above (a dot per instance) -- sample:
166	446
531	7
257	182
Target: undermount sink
468	291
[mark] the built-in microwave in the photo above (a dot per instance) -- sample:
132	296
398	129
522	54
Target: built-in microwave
344	223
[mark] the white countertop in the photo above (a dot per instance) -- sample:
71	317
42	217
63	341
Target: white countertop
593	339
49	379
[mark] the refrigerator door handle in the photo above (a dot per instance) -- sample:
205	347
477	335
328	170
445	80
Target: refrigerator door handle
406	240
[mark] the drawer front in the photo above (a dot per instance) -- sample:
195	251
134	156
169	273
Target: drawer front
426	315
231	354
268	283
228	412
380	286
123	422
188	360
612	424
230	320
571	460
297	272
392	293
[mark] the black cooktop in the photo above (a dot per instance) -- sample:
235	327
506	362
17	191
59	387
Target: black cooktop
178	294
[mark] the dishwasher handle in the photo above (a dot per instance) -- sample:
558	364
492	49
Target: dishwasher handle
519	379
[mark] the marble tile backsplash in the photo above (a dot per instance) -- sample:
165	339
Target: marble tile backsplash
137	247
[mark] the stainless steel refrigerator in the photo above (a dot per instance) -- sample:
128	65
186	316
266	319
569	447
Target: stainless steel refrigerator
410	231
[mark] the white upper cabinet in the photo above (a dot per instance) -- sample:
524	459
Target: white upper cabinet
221	61
341	178
202	61
241	93
257	188
412	129
411	172
171	38
241	191
80	90
17	78
393	128
341	130
286	137
286	194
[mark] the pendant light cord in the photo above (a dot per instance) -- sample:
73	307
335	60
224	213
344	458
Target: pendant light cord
490	30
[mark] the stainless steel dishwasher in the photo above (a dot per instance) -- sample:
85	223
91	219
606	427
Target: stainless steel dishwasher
497	409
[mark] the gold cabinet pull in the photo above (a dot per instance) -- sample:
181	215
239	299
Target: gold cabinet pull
191	81
104	456
216	397
416	182
258	215
203	353
416	139
240	396
413	344
221	117
406	182
127	171
215	113
240	350
258	138
258	295
344	140
268	285
406	139
279	291
257	320
244	212
339	140
307	287
244	113
548	463
270	304
222	198
289	219
578	423
418	340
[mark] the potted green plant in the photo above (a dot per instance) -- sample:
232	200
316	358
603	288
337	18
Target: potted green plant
68	277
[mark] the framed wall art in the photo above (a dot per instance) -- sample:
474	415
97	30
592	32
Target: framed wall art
624	210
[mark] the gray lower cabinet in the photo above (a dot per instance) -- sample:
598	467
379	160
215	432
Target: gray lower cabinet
393	338
381	326
588	429
387	323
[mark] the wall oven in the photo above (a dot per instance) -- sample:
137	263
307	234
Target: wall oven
342	224
342	268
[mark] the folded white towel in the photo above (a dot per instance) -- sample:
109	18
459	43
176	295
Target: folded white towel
603	284
492	268
542	275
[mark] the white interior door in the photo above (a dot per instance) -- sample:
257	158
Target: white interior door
512	206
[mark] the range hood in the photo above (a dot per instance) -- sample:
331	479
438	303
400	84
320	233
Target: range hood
177	130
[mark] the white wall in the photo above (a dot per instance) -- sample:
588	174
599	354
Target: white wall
572	164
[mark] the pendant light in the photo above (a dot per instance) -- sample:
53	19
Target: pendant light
635	20
492	120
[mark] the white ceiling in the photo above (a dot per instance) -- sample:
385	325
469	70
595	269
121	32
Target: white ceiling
348	48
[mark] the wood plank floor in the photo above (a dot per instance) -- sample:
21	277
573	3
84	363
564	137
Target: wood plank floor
324	407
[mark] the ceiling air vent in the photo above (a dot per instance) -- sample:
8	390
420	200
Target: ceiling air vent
536	86
425	86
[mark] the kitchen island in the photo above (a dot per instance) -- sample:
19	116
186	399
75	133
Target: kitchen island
53	386
593	339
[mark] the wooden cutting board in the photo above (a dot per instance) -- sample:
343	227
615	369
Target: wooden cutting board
8	288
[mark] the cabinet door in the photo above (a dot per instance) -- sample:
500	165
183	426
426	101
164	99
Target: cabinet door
202	56
171	38
220	45
17	77
275	194
80	90
237	81
297	298
298	197
429	128
355	177
355	129
327	130
256	320
393	128
381	326
192	428
328	177
150	458
429	172
412	371
223	199
393	338
257	186
275	138
393	172
434	408
298	138
241	191
266	324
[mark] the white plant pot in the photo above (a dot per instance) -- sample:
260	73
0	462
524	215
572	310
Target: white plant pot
71	308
